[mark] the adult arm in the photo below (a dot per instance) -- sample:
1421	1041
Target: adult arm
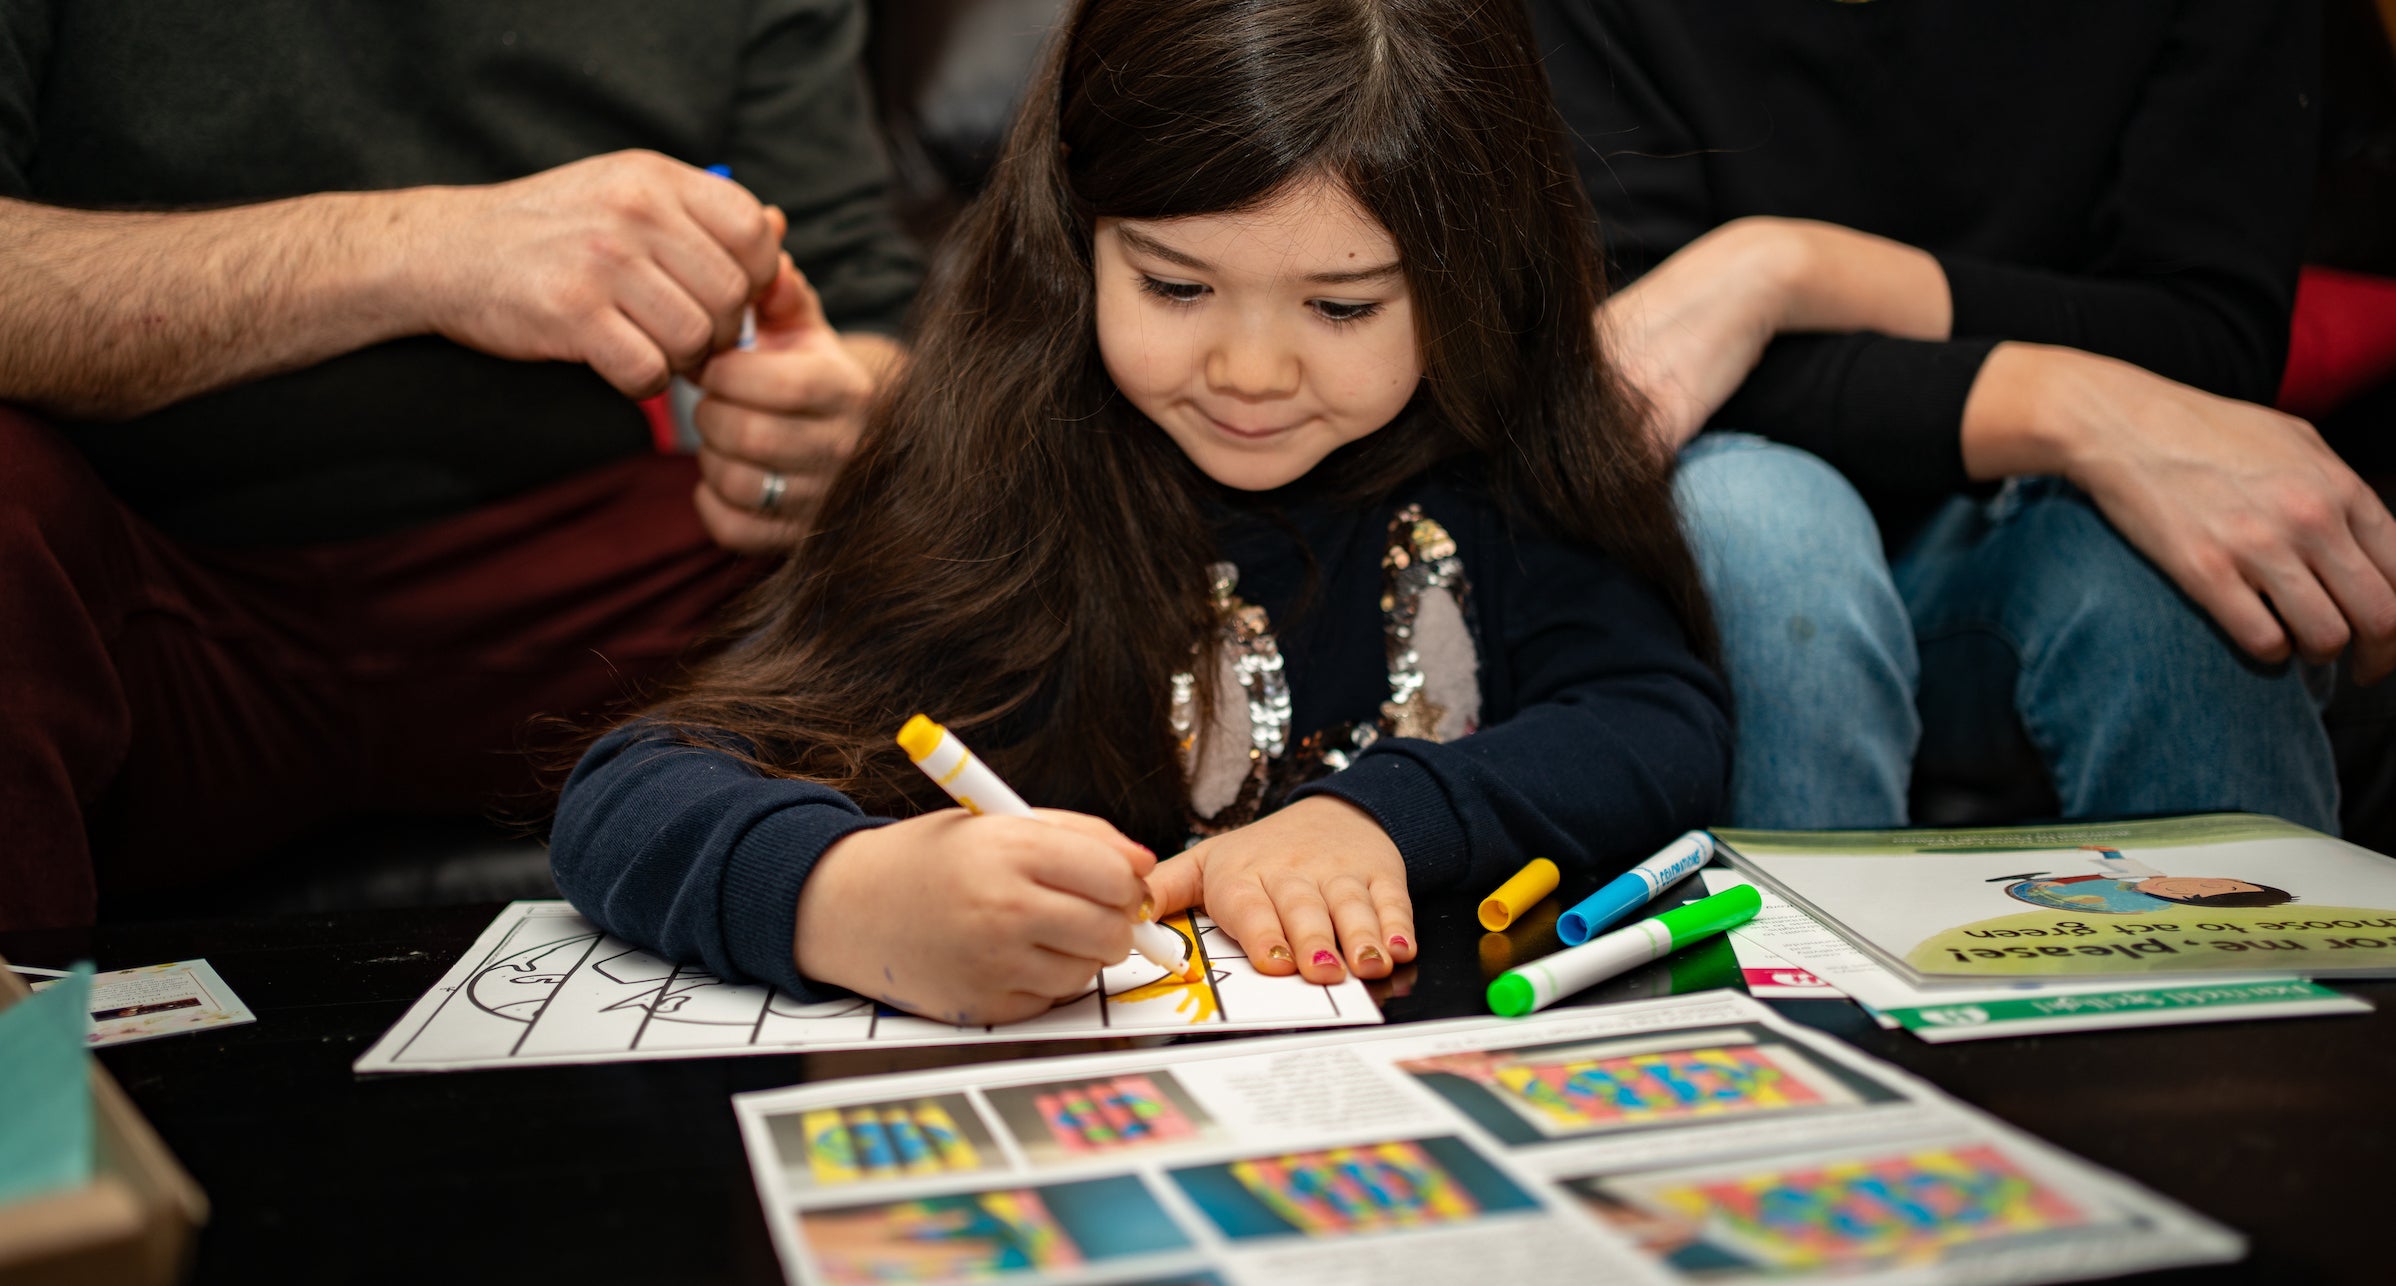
1619	741
2186	267
2243	507
632	263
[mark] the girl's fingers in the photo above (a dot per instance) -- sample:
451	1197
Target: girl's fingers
1359	927
1244	911
1102	830
1396	912
1086	868
1057	974
1071	925
1177	884
1307	922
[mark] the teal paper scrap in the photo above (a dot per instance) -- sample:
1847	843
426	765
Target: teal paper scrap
46	1090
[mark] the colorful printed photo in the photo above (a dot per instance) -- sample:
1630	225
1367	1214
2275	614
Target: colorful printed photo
1368	1188
1881	1209
985	1236
1067	1121
1543	1092
911	1138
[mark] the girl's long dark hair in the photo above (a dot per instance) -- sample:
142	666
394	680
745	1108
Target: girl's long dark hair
1015	550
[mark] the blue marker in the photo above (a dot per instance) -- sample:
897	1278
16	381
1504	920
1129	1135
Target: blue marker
748	316
1635	887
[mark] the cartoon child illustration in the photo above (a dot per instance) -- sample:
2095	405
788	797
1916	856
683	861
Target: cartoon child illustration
2123	886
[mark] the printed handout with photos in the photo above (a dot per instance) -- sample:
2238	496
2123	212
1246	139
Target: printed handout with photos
2220	893
1694	1139
542	985
1784	955
160	1000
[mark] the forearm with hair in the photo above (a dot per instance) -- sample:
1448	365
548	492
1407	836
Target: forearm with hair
107	315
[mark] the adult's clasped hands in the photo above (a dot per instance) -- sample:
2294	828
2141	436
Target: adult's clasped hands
641	267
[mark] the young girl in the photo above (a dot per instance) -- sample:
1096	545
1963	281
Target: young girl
1254	479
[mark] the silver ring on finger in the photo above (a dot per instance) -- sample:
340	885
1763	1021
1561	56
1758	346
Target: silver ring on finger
769	494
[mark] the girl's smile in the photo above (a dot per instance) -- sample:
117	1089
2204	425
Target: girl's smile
1263	340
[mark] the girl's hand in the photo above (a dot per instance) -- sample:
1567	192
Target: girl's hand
1303	889
972	920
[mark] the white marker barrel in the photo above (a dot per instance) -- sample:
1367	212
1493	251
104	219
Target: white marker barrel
967	780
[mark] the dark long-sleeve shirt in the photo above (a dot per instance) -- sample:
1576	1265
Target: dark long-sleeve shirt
1601	736
2129	178
188	103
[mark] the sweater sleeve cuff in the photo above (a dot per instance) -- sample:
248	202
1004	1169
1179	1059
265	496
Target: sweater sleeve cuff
1987	300
1412	808
1902	429
760	893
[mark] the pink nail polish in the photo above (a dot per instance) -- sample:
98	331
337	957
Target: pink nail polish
1325	958
1398	940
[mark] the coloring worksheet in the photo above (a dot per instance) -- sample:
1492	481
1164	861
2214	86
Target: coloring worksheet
1692	1141
543	985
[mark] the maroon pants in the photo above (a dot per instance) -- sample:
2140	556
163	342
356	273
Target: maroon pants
169	712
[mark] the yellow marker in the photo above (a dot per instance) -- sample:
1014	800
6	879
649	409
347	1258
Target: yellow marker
1519	894
978	790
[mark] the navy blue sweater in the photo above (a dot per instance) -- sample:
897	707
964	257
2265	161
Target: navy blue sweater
1601	736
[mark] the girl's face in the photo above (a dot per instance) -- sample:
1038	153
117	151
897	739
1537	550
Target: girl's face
1259	341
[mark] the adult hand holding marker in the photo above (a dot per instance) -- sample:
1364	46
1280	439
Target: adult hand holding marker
969	781
782	409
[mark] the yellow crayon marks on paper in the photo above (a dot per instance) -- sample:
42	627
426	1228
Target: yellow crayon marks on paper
1194	1001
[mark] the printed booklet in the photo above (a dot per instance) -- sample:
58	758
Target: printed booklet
2221	893
1784	955
1698	1139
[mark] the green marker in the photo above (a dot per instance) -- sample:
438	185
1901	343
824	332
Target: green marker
1543	982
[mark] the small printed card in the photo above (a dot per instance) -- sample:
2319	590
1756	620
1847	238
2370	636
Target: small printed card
160	1000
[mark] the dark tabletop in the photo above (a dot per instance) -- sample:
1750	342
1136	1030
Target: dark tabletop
633	1172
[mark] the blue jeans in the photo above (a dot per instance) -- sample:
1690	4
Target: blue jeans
2026	614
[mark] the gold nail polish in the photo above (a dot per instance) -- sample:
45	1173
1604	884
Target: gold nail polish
1370	955
1279	953
1147	908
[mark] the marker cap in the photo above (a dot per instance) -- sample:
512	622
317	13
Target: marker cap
1731	907
919	738
1519	894
1511	996
1600	909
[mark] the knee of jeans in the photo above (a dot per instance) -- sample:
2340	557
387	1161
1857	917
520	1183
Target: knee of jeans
1771	519
1790	553
2093	589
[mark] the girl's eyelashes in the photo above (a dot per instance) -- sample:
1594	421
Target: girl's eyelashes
1179	292
1189	292
1339	314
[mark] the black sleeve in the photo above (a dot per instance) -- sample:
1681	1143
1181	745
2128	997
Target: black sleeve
25	29
690	853
2193	274
1618	738
803	137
